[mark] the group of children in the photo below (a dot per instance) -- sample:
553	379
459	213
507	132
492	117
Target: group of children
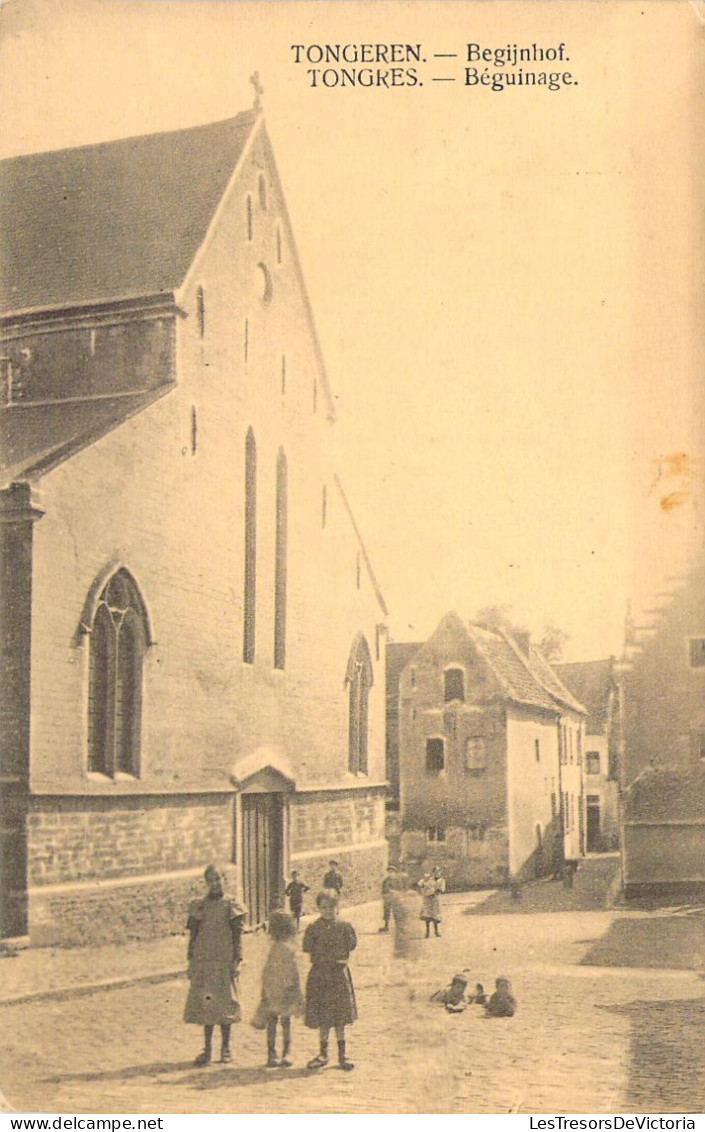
455	997
215	926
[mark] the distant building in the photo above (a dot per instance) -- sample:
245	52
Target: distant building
663	688
482	787
594	684
192	634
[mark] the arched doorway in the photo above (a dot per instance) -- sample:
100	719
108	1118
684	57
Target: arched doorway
260	836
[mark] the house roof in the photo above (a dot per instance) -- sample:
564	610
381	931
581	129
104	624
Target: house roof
399	654
34	438
547	676
590	681
112	220
666	793
510	667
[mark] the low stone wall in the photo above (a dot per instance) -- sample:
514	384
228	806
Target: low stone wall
74	916
72	839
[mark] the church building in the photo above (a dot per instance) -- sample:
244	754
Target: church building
193	638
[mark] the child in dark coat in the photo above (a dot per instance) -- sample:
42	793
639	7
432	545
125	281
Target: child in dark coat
330	996
214	955
295	891
281	989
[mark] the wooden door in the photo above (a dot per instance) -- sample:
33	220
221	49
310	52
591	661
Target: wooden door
593	823
262	854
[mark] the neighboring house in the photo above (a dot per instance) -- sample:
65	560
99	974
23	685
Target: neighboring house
192	634
594	684
481	788
663	690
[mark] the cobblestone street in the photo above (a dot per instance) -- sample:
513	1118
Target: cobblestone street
584	1039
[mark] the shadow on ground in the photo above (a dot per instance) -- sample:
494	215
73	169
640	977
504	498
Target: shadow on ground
212	1077
662	941
592	891
665	1071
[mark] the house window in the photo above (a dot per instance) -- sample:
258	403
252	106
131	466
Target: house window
697	652
454	685
476	832
249	601
119	637
475	754
435	833
537	750
435	756
359	678
592	762
280	554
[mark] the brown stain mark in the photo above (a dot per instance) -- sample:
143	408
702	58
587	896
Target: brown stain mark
674	499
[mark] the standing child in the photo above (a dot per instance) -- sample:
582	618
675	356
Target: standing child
214	955
431	888
333	878
281	989
295	891
330	996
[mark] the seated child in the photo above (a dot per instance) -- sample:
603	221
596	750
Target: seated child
453	994
502	1003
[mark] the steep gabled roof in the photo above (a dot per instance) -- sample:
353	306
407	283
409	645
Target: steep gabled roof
399	654
546	675
112	220
510	667
591	681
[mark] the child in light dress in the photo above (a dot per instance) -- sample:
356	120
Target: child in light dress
281	989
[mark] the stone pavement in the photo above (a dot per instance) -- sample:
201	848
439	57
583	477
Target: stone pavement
584	1039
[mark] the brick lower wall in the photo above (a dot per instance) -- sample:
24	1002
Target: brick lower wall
144	910
74	839
349	826
83	852
362	869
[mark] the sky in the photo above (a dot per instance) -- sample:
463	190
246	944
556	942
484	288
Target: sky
507	285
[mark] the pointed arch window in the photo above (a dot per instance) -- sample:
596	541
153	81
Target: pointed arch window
359	679
280	554
118	641
250	594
